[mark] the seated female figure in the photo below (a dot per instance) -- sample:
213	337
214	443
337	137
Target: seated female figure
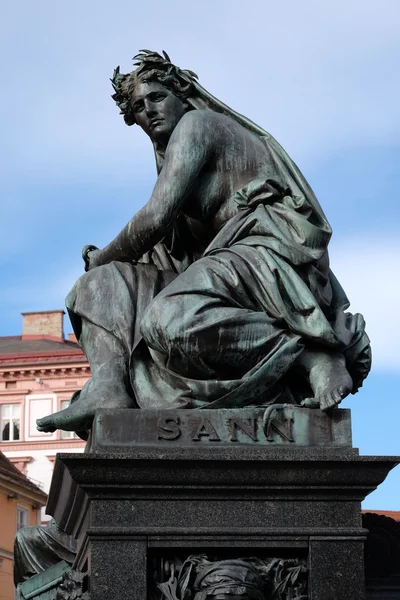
218	292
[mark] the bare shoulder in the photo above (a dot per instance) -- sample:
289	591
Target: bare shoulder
199	117
199	134
198	124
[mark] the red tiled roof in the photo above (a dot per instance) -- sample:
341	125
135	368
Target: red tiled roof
15	350
393	514
15	344
11	472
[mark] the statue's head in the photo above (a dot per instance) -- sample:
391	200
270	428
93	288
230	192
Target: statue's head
155	95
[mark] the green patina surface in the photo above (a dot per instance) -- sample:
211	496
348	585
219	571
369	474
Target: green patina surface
43	586
218	293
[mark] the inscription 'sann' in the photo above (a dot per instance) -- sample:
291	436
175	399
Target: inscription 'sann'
233	429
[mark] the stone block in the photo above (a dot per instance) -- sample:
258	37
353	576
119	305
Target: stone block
277	425
150	489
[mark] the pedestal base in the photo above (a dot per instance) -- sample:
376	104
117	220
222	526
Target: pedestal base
134	506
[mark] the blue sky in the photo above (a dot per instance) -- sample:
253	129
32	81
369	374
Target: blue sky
322	77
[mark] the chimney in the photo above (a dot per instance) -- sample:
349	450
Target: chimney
47	325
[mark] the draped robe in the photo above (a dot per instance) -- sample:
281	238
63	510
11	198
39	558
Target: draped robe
223	325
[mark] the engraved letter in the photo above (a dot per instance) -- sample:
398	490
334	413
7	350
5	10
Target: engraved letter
205	429
168	428
284	428
248	426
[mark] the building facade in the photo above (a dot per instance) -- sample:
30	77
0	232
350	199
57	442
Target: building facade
21	502
39	371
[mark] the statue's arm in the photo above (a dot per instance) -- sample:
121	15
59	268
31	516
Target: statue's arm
188	151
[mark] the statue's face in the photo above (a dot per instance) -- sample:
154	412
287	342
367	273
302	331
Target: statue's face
157	110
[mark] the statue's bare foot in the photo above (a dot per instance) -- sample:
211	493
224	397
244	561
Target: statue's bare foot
329	380
79	415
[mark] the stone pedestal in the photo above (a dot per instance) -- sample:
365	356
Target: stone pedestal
161	484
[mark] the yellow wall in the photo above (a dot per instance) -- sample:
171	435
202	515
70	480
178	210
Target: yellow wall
8	528
6	580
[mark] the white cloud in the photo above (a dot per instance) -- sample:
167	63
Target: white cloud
316	74
44	291
368	269
319	75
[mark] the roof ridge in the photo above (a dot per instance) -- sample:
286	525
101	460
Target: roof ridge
10	470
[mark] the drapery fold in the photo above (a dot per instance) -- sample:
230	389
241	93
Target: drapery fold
267	269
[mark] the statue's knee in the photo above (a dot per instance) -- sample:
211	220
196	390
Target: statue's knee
150	323
21	536
159	325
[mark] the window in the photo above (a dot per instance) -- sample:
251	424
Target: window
67	435
10	422
22	517
38	406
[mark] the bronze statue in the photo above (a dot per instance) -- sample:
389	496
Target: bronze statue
38	547
218	292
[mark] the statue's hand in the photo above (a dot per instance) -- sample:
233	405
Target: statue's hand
90	256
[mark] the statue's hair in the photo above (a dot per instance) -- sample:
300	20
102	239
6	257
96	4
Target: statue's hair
183	83
151	67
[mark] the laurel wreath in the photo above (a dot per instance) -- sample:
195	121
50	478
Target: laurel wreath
151	66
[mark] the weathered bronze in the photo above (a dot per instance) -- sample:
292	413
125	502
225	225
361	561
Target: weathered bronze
39	547
218	292
200	577
287	425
